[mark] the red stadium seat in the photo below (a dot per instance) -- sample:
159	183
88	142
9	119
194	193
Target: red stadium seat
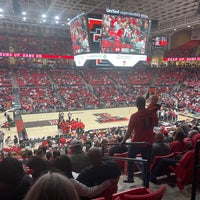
100	198
122	163
107	194
156	161
141	193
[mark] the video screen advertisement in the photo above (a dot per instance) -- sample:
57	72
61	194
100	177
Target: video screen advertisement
124	32
160	41
79	34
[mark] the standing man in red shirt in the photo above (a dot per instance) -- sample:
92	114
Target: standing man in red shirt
140	127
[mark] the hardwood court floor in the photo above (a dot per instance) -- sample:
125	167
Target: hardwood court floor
88	117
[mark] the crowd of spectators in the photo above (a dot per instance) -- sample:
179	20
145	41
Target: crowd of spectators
185	50
82	154
26	166
43	90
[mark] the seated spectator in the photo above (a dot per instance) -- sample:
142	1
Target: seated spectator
188	140
79	159
159	147
99	171
178	144
167	135
191	133
14	183
48	155
63	164
52	186
118	148
196	128
184	168
13	154
164	163
186	128
41	151
24	159
29	153
38	166
56	153
87	145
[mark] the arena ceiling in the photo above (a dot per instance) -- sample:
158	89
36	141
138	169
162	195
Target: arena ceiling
167	14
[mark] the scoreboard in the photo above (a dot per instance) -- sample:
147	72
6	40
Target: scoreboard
113	32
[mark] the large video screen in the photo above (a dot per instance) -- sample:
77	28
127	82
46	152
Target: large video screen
124	34
79	35
159	41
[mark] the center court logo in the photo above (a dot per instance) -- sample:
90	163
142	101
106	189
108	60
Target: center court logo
105	117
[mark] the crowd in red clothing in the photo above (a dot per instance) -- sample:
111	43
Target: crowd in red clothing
69	126
71	88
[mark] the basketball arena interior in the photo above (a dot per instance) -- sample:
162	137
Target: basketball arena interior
74	69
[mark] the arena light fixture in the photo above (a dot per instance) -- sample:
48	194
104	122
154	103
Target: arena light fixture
24	19
1	13
44	16
57	18
24	13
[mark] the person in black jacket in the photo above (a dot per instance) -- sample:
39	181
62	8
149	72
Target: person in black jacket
14	182
117	148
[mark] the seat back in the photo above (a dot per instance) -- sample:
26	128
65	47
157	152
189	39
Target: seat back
183	175
184	169
133	191
154	195
141	193
107	194
122	163
157	159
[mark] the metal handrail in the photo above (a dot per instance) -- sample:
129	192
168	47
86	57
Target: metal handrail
141	144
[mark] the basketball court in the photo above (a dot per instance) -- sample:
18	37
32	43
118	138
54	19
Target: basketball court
45	124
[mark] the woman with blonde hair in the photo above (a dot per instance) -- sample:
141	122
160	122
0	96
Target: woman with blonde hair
52	186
